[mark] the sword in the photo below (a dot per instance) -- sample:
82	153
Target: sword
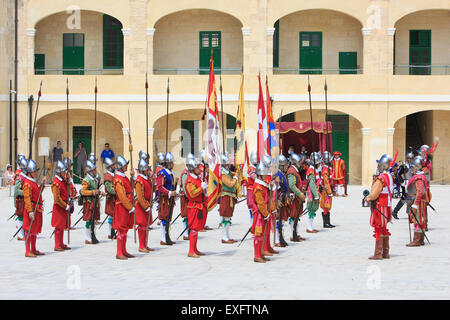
417	220
429	204
15	234
77	221
11	216
182	232
103	222
249	229
176	218
374	207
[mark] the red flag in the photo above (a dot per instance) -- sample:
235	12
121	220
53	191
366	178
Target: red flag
263	131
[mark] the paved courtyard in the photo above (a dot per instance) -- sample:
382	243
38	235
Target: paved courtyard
331	264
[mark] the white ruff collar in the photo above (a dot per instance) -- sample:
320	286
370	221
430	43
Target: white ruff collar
111	173
23	175
120	173
31	179
143	176
168	171
193	175
58	177
225	170
258	181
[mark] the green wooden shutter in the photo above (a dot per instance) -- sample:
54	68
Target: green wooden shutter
231	141
288	117
112	43
73	53
188	144
347	62
83	134
39	63
276	45
210	40
311	52
420	51
340	137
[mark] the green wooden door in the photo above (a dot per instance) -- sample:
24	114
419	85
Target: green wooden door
276	45
112	43
39	63
210	40
230	141
83	134
311	52
73	53
420	51
340	135
347	62
187	145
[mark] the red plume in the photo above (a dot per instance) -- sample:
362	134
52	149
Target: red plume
395	158
434	146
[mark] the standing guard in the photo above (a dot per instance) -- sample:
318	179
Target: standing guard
418	195
251	172
144	192
184	198
228	198
61	205
89	191
110	202
159	167
297	196
18	195
32	215
123	210
380	197
312	174
283	201
326	192
404	175
338	175
195	190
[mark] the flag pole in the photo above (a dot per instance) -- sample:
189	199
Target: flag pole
167	113
221	106
326	115
311	120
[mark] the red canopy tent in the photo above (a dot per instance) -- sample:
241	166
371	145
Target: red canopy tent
298	134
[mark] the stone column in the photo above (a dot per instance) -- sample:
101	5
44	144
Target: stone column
126	52
369	54
269	50
366	172
150	37
30	50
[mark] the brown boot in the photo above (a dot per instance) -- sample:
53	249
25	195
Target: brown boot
378	250
386	247
422	237
416	240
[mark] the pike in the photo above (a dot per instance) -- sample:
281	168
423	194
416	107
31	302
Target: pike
169	216
35	118
13	216
221	107
417	220
280	218
130	148
429	204
15	234
167	113
67	157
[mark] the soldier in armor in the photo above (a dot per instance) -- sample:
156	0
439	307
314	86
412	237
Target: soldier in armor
326	190
195	190
313	196
403	176
73	191
61	205
159	167
32	215
89	191
297	195
18	195
381	207
282	201
228	198
110	202
418	196
183	196
166	187
123	210
251	173
144	192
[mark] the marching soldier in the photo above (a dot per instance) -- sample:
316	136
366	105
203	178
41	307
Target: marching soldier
338	175
144	192
326	193
283	201
123	210
89	191
110	202
32	216
61	205
261	213
166	187
419	193
251	172
297	196
228	198
18	195
195	190
313	177
184	198
381	207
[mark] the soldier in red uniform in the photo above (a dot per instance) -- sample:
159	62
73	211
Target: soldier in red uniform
32	216
108	178
251	173
123	210
61	206
326	190
184	198
338	174
196	190
144	191
381	207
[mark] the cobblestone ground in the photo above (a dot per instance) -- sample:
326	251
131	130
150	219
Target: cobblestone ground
331	264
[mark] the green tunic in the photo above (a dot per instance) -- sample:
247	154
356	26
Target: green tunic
313	204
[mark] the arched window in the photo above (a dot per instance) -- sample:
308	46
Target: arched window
112	43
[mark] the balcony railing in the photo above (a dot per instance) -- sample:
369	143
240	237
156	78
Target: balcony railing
168	71
86	71
422	70
316	71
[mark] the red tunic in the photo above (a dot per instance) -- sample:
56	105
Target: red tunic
384	205
110	198
37	224
258	224
338	174
183	198
142	217
251	172
59	214
122	218
196	202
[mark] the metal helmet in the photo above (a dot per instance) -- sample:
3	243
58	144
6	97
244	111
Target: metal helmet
168	158
143	155
426	148
142	165
60	167
190	156
191	164
384	162
22	162
282	160
92	158
267	161
20	155
31	166
160	157
108	163
262	169
224	159
67	163
326	157
203	155
315	158
410	155
417	163
121	162
253	158
90	166
296	160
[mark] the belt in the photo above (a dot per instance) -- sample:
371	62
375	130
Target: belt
41	203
